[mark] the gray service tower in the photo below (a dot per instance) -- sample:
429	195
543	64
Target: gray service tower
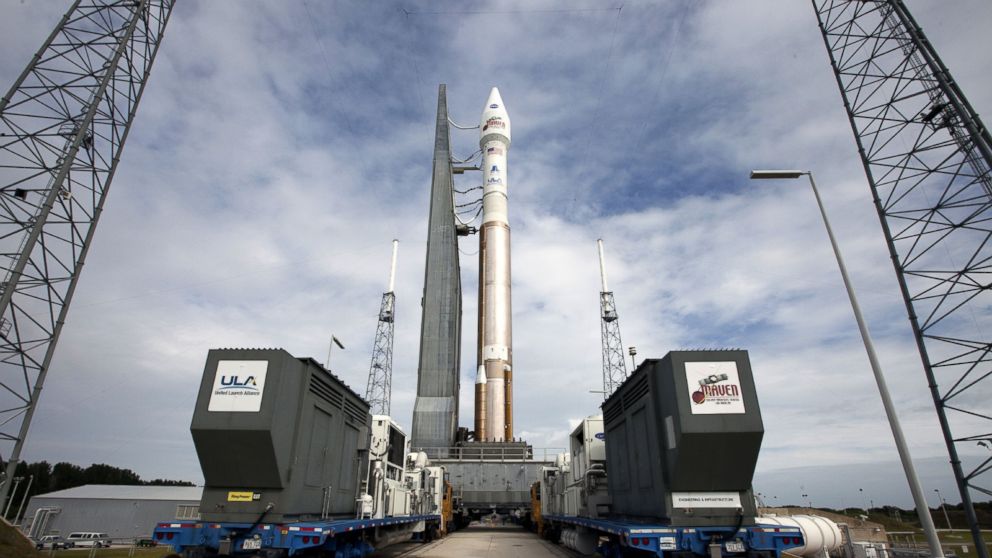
435	412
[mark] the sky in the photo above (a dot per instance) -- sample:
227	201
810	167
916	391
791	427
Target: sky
280	147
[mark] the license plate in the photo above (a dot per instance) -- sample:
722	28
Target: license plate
735	546
252	544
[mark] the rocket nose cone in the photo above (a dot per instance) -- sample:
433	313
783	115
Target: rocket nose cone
494	98
495	119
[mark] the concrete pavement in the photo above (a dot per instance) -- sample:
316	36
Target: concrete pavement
479	541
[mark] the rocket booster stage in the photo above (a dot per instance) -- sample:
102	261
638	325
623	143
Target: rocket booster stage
494	384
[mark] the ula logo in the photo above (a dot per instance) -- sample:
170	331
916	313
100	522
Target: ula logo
233	382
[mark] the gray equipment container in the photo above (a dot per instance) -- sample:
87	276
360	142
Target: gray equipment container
273	429
682	439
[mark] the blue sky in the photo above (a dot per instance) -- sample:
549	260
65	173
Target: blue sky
280	147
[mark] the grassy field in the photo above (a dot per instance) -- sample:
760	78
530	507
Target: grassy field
956	541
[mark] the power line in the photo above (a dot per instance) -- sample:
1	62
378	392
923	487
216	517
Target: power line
519	11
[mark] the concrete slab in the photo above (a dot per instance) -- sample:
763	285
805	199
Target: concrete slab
477	541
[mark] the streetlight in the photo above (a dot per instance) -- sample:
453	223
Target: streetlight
632	351
943	508
922	509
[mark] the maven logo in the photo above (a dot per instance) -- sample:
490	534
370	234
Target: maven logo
238	386
714	388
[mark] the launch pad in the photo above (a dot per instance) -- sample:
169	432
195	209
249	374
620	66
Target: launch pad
489	477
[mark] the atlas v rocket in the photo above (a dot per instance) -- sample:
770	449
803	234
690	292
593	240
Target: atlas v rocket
494	383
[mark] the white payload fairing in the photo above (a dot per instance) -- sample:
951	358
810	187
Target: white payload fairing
494	384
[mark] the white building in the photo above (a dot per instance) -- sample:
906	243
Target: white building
123	512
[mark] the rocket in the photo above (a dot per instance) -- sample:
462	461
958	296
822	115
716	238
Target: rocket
494	383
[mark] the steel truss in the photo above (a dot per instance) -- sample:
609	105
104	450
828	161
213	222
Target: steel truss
378	392
614	366
62	127
928	158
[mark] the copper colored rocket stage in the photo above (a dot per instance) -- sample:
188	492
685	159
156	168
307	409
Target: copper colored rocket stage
494	384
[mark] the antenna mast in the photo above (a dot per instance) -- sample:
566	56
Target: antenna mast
379	390
614	367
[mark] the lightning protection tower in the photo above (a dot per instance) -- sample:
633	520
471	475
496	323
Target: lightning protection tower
928	157
614	367
62	127
378	392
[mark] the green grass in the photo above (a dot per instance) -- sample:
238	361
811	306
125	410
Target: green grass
953	541
13	545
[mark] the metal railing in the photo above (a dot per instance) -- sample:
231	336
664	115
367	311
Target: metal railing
494	452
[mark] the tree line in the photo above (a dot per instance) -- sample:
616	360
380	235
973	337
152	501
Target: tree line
44	477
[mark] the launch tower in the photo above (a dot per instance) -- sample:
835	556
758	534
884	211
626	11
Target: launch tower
64	122
435	412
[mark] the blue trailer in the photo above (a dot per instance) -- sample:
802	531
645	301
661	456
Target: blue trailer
340	538
666	541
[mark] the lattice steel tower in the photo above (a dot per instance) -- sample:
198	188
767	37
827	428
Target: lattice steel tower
62	127
928	158
378	392
614	367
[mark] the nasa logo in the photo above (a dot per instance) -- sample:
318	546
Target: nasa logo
232	382
494	105
495	180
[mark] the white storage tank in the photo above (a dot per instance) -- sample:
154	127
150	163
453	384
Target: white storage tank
821	534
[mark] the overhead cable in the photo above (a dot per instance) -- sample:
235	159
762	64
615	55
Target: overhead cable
453	123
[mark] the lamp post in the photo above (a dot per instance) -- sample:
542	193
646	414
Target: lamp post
922	509
943	508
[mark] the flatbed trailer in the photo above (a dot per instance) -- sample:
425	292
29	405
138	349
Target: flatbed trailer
344	538
665	541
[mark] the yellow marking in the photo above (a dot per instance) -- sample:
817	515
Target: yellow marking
240	496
